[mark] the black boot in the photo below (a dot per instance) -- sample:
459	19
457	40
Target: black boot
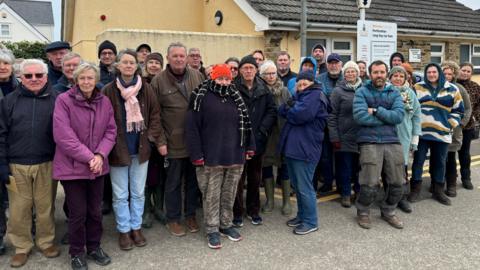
451	186
467	184
415	188
439	194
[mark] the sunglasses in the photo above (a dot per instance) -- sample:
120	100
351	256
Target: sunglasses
29	76
234	68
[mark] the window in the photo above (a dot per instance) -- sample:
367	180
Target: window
476	55
437	52
312	42
5	30
464	53
343	48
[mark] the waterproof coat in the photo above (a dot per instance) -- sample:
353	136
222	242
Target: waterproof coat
153	133
302	135
381	127
411	124
81	129
341	126
174	102
328	83
457	136
261	109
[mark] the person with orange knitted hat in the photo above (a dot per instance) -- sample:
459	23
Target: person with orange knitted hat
219	140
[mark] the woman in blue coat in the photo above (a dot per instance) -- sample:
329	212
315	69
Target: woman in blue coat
301	144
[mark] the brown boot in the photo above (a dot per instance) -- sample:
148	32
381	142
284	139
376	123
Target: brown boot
364	221
415	188
18	259
138	238
124	241
176	228
451	186
192	224
51	252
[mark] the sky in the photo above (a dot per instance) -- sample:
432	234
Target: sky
57	8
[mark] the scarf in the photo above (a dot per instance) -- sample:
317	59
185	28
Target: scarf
355	85
407	99
228	91
135	120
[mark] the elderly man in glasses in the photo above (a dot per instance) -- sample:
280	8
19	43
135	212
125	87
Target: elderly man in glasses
26	154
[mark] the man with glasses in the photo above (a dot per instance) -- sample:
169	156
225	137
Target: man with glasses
194	60
55	52
107	51
70	62
26	154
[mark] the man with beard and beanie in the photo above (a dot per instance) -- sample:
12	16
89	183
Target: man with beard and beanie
107	52
396	59
319	52
329	81
377	109
473	89
55	52
285	73
174	86
263	115
442	110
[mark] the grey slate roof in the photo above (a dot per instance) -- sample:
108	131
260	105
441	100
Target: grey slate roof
34	12
439	15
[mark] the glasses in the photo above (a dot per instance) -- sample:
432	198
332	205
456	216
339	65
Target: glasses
29	76
107	53
234	68
270	74
195	55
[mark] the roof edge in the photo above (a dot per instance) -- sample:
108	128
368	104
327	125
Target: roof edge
260	21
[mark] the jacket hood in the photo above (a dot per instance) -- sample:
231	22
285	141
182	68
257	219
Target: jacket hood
308	59
441	77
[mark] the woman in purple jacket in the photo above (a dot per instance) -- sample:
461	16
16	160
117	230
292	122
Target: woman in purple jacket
84	130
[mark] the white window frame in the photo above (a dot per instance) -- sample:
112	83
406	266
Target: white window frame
438	54
9	30
343	52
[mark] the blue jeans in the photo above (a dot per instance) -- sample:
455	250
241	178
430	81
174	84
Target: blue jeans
301	173
438	160
346	171
129	217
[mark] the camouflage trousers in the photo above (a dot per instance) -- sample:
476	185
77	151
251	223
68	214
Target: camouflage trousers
219	187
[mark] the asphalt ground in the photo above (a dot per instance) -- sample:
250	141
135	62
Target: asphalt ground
434	237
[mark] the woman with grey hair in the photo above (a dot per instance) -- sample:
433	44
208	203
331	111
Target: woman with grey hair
268	72
84	131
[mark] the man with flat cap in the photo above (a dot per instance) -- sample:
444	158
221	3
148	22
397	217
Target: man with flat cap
55	52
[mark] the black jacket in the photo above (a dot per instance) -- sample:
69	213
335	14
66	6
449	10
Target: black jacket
26	136
53	74
261	108
106	76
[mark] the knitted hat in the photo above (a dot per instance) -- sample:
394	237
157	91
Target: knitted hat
107	44
318	46
248	60
397	69
306	75
155	56
144	45
221	70
351	65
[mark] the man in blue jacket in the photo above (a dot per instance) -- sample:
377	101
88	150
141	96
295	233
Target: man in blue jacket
378	108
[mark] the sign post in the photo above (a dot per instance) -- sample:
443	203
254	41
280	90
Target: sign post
376	41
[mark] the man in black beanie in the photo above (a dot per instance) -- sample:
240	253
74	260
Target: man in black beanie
107	51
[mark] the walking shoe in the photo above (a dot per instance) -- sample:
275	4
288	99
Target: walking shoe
231	233
237	222
51	252
394	221
404	205
214	240
99	256
124	241
147	220
176	229
467	184
138	238
346	202
18	260
256	220
2	246
192	224
364	221
65	239
78	262
294	222
415	188
303	229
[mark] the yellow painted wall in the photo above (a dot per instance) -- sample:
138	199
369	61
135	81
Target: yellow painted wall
215	48
234	19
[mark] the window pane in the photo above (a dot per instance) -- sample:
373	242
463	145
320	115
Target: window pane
476	49
436	48
345	58
5	27
464	53
436	59
476	61
341	45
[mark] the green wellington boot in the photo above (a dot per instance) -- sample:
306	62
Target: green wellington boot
286	205
269	192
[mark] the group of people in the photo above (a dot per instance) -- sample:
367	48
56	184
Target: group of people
156	142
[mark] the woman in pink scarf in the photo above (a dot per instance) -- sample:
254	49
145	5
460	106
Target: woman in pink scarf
137	115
